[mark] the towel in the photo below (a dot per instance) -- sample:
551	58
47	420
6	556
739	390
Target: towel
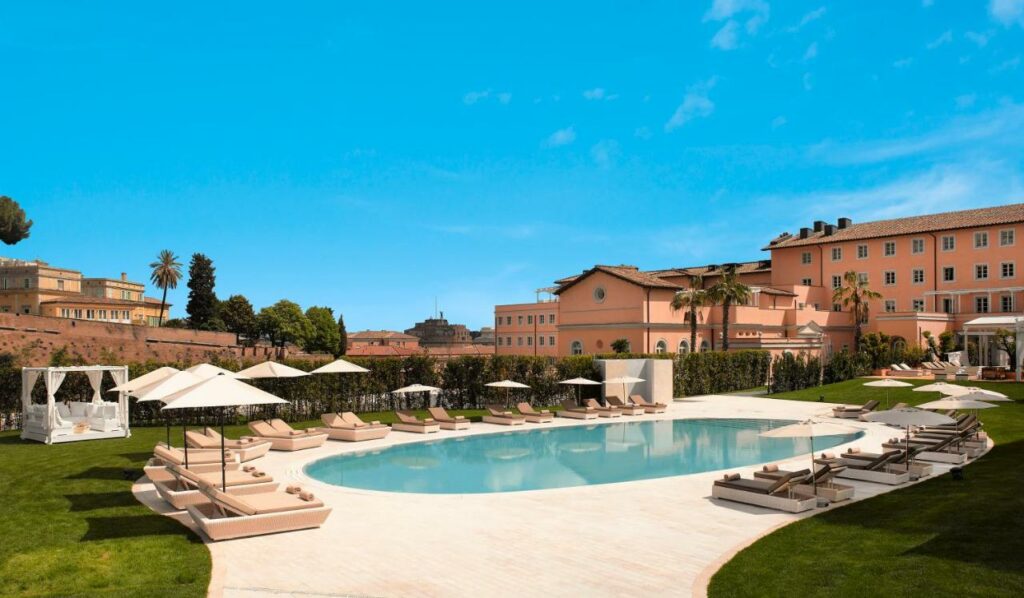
828	456
258	474
731	477
306	495
853	450
770	467
375	422
293	489
249	468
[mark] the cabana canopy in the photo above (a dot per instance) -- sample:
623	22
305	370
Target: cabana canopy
78	420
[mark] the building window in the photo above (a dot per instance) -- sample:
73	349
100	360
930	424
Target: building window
704	346
551	318
529	320
65	312
60	285
1006	237
103	314
805	257
90	314
862	277
508	341
837	307
599	294
684	347
862	252
529	341
499	341
918	275
917	246
5	283
519	320
917	304
661	347
947	305
78	314
1007	270
26	283
806	282
890	278
889	249
981	272
837	281
540	319
540	341
551	341
519	341
980	240
981	305
948	274
508	320
890	305
576	348
837	254
126	316
948	243
1006	303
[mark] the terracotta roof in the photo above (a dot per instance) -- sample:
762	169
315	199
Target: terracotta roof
155	300
381	334
716	269
774	291
905	226
628	273
456	350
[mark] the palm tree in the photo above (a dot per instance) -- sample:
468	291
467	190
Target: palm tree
855	292
166	274
727	291
691	299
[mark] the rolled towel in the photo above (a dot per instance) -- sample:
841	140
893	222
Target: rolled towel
853	450
375	422
259	474
310	430
246	439
772	467
293	489
249	468
428	420
306	495
544	411
460	417
731	477
828	456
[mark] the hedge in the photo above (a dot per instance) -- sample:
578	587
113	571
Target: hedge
712	372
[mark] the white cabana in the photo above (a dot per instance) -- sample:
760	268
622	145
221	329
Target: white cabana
984	329
77	420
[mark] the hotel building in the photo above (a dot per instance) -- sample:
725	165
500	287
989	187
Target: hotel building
935	273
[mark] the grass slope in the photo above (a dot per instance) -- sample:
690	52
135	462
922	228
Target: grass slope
71	527
938	538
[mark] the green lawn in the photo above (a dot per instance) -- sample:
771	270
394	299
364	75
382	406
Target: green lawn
938	538
71	527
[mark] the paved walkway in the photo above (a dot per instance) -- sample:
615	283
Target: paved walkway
652	537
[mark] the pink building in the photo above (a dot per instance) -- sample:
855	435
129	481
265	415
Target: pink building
527	328
935	273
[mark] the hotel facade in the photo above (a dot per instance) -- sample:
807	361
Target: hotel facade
936	273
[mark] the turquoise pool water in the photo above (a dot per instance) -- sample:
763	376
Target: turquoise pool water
539	458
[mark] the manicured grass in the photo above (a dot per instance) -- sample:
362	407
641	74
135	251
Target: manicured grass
71	527
938	538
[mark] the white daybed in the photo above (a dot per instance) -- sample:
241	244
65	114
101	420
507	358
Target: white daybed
53	422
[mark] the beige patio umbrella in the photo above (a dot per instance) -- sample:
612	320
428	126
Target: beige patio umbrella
957	403
579	383
416	388
207	370
340	366
270	369
158	391
145	380
624	380
990	396
887	384
945	388
809	429
219	391
906	417
508	385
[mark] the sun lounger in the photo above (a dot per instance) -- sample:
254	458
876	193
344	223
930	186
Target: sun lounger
820	480
247	448
283	437
353	420
603	411
181	487
459	422
623	407
571	409
773	494
496	414
337	428
533	416
228	516
407	422
939	450
916	468
648	406
878	468
854	411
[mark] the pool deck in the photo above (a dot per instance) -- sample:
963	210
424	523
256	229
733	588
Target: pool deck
664	536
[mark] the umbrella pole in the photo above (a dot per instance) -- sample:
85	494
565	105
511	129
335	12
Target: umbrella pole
184	430
223	458
814	474
167	420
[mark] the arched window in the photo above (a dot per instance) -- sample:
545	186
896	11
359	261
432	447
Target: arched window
899	345
577	348
661	347
684	347
704	346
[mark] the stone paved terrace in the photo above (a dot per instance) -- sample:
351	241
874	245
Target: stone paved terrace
653	537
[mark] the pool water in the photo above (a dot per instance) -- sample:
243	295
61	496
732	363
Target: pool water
560	457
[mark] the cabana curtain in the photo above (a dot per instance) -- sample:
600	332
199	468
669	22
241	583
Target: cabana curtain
53	381
120	377
95	380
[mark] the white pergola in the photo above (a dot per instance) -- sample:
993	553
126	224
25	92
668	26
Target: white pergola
83	420
985	327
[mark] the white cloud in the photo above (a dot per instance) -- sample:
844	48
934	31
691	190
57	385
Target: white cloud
605	152
725	9
778	121
726	38
808	18
945	38
1007	12
812	51
979	39
903	63
1006	65
696	104
965	101
561	137
474	97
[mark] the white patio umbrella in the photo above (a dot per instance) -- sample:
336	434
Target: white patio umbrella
508	385
219	391
208	370
908	416
415	388
990	396
887	383
809	429
270	369
945	388
340	366
579	383
624	380
158	391
145	380
957	403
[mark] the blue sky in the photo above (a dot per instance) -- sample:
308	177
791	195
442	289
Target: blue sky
374	156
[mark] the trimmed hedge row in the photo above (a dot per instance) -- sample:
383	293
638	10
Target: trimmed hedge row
714	372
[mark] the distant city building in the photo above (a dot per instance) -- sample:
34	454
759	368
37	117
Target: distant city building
37	288
485	336
382	338
437	332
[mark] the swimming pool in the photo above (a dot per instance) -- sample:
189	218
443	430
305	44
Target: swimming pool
560	457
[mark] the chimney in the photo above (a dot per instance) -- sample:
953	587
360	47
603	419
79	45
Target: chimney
830	229
124	276
819	225
845	223
805	232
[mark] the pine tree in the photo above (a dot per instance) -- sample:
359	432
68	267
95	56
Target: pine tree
202	300
13	225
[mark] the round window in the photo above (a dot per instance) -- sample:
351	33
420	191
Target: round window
600	344
599	294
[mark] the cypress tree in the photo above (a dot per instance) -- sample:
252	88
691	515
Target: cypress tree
343	341
202	300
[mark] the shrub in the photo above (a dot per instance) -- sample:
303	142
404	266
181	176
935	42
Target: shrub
791	372
711	372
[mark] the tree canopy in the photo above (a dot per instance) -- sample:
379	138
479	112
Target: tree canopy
342	336
202	300
239	317
325	335
166	272
284	322
13	225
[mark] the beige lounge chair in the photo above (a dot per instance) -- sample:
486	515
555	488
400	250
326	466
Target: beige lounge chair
854	411
533	416
407	422
247	448
496	414
283	437
201	461
459	422
228	516
603	411
337	428
181	488
776	494
571	409
648	406
819	483
880	468
623	407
